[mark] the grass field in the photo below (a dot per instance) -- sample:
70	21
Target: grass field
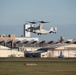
37	66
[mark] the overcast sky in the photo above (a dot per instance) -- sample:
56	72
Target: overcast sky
60	13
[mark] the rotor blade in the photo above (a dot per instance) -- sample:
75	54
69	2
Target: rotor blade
43	22
33	22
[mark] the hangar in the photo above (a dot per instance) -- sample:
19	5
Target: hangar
65	51
7	52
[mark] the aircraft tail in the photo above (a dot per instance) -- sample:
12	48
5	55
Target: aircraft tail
53	30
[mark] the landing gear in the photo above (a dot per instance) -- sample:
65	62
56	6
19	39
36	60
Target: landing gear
39	34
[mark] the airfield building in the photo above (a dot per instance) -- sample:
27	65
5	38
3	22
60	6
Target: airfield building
65	51
7	52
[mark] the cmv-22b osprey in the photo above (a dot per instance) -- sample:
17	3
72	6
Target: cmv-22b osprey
39	30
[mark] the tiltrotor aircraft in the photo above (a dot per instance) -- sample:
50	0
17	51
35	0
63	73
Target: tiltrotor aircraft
39	30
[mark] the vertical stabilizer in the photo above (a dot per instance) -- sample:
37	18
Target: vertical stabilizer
53	30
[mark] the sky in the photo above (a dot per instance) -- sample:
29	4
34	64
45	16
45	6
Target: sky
60	14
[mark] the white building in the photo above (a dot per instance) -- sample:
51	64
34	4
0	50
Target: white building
68	51
26	33
7	52
27	38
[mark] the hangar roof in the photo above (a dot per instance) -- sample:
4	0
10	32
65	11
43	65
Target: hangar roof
3	47
72	46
